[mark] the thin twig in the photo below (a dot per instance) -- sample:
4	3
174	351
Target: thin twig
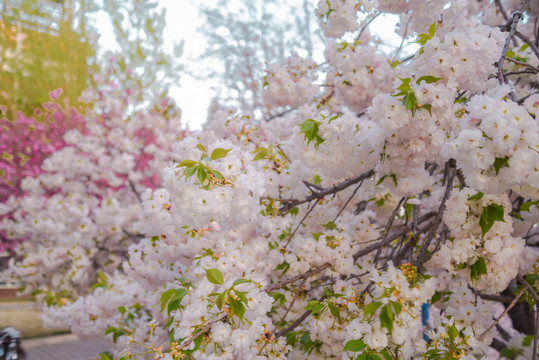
388	227
452	165
367	24
301	222
513	303
499	64
529	42
305	275
291	203
536	70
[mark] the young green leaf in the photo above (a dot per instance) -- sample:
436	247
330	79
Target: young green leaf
186	163
477	196
478	268
241	296
240	281
500	163
527	205
371	309
491	213
190	171
355	345
334	310
214	276
428	79
387	317
201	148
219	153
237	307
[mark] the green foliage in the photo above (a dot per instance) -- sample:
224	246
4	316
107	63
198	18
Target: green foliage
500	163
424	37
478	268
214	276
43	48
354	345
491	213
527	205
310	128
477	196
409	99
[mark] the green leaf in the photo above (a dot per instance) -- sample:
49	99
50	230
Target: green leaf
122	309
240	281
330	225
317	179
460	100
334	310
165	297
217	174
110	329
432	29
500	163
310	130
386	355
491	213
428	79
237	307
452	332
277	296
527	341
387	318
397	306
355	345
260	156
294	211
202	174
241	296
477	196
527	205
175	301
106	356
381	180
509	353
428	107
219	153
409	101
371	309
394	177
186	163
317	235
478	268
219	301
201	148
214	276
190	171
532	279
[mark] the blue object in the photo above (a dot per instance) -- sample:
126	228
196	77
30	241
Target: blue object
425	320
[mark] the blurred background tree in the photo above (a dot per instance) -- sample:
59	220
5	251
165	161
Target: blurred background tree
51	44
44	45
245	37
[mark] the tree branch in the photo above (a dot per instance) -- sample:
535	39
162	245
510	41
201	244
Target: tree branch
291	203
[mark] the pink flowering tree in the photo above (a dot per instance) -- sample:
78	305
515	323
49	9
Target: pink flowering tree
25	142
391	215
74	201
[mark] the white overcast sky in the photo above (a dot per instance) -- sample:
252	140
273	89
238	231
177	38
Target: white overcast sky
193	95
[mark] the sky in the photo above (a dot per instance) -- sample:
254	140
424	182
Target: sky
194	94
